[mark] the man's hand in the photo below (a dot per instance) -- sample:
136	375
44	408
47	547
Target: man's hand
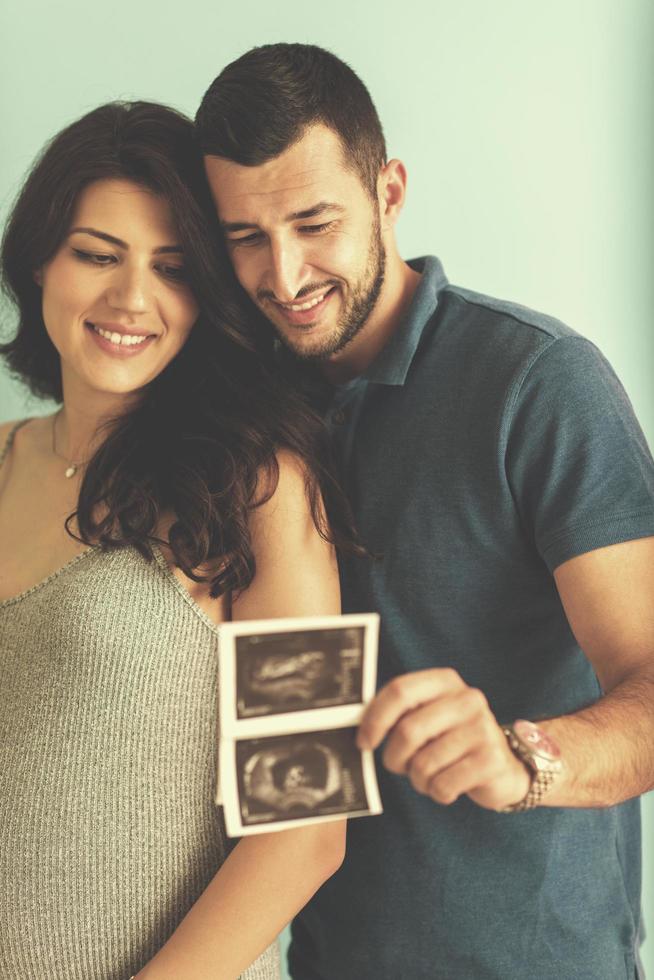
444	737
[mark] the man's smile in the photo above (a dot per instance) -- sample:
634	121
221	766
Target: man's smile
307	311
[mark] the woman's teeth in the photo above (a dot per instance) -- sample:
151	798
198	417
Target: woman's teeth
120	339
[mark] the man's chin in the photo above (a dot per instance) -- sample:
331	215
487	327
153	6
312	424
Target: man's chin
309	343
308	352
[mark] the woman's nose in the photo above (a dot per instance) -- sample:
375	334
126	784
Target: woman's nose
130	290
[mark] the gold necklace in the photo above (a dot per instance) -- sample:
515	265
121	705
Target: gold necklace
71	468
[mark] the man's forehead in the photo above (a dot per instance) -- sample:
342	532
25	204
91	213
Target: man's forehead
248	186
312	169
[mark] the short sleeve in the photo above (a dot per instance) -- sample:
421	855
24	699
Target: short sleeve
577	462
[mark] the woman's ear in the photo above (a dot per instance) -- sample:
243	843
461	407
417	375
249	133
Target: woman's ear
37	276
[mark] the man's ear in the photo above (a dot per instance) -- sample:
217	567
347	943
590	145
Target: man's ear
392	191
37	276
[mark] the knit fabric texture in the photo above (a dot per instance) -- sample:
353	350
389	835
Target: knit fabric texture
108	831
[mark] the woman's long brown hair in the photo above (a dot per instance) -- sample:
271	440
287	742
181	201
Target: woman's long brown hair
201	445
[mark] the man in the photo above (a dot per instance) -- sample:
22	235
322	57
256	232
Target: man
496	469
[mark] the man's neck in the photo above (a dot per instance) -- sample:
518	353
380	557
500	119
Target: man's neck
395	298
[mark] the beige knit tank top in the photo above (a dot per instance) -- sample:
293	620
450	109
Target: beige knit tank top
108	832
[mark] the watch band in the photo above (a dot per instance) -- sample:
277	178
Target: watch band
540	754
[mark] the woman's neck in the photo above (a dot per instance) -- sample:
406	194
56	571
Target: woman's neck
80	425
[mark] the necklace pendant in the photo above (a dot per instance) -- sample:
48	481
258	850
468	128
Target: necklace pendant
71	471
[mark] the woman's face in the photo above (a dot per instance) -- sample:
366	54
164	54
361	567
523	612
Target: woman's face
115	300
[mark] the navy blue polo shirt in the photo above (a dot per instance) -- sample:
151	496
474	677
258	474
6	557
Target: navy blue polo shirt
485	445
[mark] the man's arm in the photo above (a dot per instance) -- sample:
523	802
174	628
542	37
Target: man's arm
608	597
444	737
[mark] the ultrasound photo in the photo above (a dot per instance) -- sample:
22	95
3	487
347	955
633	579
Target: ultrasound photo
297	671
291	695
308	774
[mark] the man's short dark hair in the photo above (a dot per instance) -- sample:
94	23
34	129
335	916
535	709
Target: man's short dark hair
262	103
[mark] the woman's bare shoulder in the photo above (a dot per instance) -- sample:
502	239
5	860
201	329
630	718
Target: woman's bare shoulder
6	428
29	435
284	484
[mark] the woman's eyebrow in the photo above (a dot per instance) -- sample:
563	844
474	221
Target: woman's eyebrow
105	237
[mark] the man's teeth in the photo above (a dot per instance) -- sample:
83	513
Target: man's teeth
298	307
120	339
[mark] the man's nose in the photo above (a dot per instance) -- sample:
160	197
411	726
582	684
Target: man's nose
289	271
130	290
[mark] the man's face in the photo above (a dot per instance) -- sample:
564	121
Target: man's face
305	241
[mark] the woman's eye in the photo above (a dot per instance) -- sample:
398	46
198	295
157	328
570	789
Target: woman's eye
175	272
94	258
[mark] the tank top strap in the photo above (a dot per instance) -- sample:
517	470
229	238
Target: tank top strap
10	439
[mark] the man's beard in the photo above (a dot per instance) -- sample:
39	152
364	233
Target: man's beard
355	316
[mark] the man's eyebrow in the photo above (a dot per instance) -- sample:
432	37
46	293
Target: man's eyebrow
162	250
312	212
237	225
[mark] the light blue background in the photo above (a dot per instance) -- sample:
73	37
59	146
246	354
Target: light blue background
527	129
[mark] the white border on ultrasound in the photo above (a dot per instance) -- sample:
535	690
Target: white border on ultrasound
322	719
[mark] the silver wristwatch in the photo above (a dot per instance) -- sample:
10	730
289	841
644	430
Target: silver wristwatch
540	753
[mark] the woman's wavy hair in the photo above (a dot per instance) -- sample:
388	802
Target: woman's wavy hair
201	444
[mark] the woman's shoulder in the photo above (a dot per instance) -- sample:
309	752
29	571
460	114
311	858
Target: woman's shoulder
6	431
33	434
288	477
6	427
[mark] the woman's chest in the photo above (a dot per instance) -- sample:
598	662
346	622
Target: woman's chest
109	628
34	542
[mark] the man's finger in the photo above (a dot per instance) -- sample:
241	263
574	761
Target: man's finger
452	710
400	695
461	777
437	755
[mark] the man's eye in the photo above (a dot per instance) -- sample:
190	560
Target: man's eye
252	239
94	258
316	229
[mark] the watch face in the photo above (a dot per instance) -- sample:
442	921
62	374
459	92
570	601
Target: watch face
536	740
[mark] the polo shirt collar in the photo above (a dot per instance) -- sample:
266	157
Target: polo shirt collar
392	364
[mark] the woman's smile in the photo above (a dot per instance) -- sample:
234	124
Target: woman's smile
117	340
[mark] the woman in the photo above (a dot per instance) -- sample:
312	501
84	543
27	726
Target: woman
178	485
